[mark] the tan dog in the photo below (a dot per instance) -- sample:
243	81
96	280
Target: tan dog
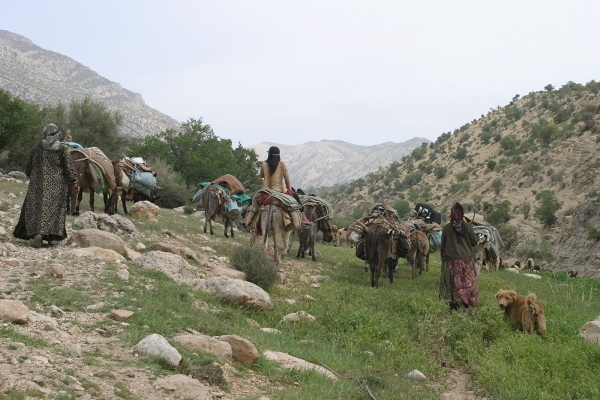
524	311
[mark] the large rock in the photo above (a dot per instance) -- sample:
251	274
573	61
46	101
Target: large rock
218	348
181	251
242	350
98	252
156	346
14	310
94	237
183	387
116	224
144	210
17	175
236	292
591	331
171	265
291	362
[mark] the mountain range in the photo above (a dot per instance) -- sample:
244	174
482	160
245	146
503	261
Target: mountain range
334	162
44	77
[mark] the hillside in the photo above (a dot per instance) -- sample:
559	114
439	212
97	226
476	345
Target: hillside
46	78
547	140
332	162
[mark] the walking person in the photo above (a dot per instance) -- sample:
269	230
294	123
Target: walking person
458	280
50	169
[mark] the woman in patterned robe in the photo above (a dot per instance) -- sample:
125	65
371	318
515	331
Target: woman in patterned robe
458	281
50	169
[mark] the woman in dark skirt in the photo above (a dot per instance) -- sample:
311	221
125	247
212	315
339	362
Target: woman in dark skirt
458	281
50	169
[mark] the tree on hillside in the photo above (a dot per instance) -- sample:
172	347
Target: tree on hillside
20	128
548	205
198	154
91	124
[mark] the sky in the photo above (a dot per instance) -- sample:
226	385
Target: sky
290	72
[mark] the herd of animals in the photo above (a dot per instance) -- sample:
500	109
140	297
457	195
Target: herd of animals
380	237
123	179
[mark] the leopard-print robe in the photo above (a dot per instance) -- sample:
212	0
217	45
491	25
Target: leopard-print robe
45	207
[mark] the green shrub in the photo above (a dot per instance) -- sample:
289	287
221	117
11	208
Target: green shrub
549	205
173	192
508	233
256	264
497	185
536	250
402	207
440	172
592	233
461	153
498	213
525	209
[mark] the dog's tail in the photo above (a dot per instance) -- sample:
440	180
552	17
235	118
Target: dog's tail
537	313
532	304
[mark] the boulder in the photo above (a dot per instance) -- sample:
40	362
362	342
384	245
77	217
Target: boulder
218	348
171	265
237	292
94	237
157	346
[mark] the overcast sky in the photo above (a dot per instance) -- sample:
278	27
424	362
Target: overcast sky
289	72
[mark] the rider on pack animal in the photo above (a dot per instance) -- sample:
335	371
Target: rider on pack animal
275	176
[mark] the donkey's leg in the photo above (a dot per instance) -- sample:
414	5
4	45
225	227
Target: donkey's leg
79	200
74	203
124	200
226	222
106	197
92	195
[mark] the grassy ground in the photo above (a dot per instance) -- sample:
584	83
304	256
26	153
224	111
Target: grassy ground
365	334
380	335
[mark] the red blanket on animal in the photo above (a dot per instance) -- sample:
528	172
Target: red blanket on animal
231	183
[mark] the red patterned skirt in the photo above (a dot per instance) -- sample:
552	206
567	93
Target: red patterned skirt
464	281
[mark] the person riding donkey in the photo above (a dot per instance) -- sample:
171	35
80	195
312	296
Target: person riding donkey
276	179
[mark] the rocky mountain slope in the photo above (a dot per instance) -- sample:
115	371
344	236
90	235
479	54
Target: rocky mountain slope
546	140
46	78
334	162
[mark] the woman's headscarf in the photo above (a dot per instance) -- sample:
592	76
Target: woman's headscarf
50	140
273	158
456	217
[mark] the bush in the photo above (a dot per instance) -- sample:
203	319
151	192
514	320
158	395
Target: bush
402	207
173	192
525	209
257	266
549	205
536	250
508	233
499	213
497	185
440	172
592	233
